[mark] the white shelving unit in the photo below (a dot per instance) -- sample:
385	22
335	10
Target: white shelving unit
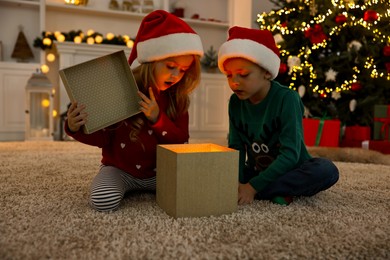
37	16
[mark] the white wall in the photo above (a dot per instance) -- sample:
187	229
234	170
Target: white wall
260	6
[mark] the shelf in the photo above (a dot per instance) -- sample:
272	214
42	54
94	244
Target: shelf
206	23
20	3
91	11
113	13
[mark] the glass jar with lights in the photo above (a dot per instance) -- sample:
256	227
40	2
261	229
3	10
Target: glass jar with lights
39	108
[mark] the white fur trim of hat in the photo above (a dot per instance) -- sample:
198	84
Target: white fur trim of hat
162	35
257	46
169	45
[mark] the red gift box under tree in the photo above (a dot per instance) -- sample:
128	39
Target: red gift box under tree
321	132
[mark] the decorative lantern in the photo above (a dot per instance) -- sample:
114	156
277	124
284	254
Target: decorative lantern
39	108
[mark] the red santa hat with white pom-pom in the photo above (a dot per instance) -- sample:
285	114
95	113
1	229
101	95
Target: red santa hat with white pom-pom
257	46
162	35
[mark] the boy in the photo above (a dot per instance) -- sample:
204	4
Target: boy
265	124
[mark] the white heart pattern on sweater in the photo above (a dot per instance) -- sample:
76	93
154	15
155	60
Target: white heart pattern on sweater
164	133
123	145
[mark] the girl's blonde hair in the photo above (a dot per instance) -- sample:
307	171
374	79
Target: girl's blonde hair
179	99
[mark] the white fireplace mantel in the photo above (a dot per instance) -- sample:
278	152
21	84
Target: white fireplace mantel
72	54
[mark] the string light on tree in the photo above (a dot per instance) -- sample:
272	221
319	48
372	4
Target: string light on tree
339	47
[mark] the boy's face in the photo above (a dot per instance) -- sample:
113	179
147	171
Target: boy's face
171	70
247	80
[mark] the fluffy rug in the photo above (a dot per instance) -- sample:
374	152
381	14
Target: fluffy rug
44	214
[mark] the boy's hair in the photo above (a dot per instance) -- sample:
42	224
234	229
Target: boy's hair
257	46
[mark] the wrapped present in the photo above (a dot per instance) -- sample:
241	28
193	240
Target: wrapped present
381	122
357	133
382	146
351	143
321	132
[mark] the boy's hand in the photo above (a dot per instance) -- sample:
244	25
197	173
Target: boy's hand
246	194
149	106
77	116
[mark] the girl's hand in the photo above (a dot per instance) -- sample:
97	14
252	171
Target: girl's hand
246	194
77	116
149	106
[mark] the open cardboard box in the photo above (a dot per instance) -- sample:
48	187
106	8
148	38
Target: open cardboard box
195	180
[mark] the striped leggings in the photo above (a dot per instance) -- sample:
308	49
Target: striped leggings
110	185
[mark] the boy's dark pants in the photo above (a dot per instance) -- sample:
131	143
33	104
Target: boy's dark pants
313	176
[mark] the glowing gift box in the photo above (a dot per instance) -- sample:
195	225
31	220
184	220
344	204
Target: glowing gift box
195	180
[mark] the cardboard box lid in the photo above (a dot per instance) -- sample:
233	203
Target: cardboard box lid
107	87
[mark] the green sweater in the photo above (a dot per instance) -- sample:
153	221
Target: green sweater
269	135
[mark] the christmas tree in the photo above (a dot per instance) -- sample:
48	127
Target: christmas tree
335	53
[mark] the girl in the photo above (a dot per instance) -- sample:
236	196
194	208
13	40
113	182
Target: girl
167	52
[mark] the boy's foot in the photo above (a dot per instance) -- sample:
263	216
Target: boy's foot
282	200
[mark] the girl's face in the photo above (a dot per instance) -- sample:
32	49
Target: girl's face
171	70
247	80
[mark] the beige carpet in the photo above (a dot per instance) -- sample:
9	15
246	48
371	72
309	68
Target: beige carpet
44	215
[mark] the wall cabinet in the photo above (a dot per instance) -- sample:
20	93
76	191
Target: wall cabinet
209	108
13	81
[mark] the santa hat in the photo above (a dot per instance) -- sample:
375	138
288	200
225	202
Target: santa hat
257	46
163	35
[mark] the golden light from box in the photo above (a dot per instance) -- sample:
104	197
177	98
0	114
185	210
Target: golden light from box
195	180
198	148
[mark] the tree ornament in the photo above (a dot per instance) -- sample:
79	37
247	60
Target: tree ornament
349	3
340	19
301	90
282	68
370	16
352	105
313	8
331	75
336	95
278	38
387	65
315	34
354	45
293	61
355	86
